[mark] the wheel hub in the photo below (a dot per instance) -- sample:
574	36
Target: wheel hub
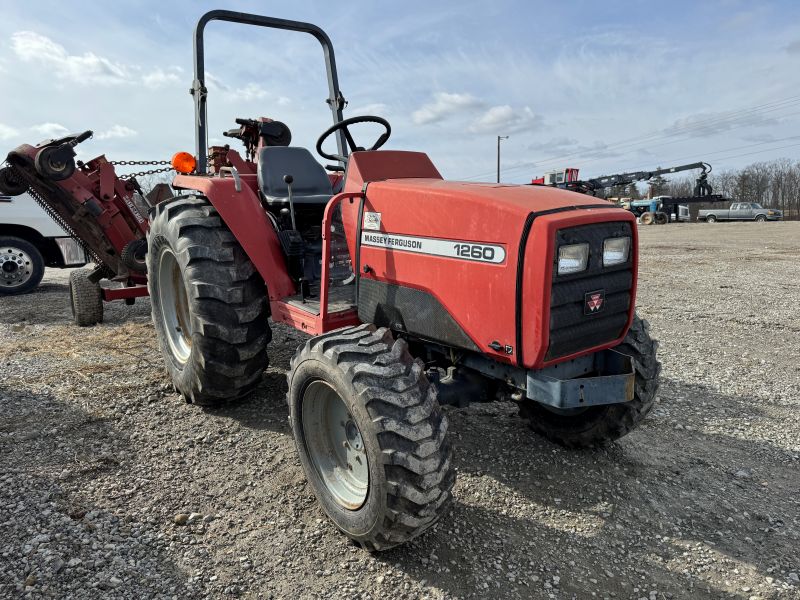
353	435
15	267
174	307
335	445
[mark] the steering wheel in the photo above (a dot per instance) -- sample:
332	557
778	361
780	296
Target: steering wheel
350	142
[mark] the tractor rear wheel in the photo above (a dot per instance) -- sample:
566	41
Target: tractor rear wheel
85	298
661	218
208	302
371	435
600	425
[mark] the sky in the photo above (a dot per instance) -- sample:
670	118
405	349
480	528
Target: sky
606	87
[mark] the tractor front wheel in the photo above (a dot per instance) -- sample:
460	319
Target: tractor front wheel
647	218
208	302
371	435
600	425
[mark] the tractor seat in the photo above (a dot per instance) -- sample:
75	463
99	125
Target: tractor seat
311	184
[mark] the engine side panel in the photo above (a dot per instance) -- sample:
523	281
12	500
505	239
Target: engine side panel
438	266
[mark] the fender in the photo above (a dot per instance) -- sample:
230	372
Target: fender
246	218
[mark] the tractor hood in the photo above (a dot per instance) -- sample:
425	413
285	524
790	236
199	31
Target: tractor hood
519	200
477	212
471	265
407	175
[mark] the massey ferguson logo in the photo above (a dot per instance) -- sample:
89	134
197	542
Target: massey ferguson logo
593	302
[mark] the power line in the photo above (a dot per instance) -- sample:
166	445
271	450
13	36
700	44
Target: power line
731	117
661	145
740	148
724	151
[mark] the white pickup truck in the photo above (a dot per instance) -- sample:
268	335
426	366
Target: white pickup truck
30	241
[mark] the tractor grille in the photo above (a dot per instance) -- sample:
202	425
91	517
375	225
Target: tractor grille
571	330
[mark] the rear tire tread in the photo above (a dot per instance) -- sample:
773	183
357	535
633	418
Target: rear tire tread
227	299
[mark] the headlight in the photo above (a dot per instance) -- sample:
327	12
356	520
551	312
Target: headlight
615	251
771	212
573	258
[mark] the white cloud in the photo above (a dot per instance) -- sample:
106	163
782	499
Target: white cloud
159	77
215	83
117	131
443	106
759	138
87	68
375	108
247	93
51	130
504	119
793	48
712	123
559	144
251	91
6	132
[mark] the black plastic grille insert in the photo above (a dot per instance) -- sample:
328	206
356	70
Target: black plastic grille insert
571	329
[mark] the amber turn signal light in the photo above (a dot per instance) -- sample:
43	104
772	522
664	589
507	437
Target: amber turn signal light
183	162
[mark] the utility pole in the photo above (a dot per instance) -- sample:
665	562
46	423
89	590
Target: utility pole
499	137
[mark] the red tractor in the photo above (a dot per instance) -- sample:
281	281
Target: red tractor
415	291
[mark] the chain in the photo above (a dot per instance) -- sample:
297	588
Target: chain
138	162
143	173
130	163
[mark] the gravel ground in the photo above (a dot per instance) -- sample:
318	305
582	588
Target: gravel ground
112	487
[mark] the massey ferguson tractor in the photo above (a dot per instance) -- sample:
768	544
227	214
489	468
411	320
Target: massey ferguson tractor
415	292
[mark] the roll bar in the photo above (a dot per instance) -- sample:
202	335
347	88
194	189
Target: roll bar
199	90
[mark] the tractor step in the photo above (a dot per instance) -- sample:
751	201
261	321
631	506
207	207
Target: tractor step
340	298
